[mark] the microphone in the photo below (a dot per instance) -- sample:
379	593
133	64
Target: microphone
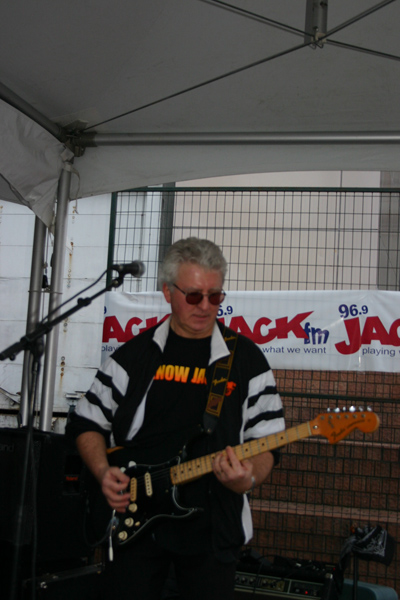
135	268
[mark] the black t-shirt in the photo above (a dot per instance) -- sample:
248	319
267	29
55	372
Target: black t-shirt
174	412
176	400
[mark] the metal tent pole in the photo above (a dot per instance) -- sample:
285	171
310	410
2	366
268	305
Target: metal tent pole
57	275
7	95
88	140
33	313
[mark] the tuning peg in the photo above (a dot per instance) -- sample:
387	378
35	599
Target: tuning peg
352	409
369	409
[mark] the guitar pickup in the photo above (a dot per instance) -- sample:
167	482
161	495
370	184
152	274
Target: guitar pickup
148	484
133	489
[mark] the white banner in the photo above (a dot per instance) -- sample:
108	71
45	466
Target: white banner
335	330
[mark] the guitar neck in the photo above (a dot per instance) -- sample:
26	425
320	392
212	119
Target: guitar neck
193	469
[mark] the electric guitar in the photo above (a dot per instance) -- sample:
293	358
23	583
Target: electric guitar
154	488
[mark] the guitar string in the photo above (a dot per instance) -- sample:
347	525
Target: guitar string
202	467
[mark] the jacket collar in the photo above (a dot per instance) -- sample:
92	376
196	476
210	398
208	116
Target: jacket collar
218	347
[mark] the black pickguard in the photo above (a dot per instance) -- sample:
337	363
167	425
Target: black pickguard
153	499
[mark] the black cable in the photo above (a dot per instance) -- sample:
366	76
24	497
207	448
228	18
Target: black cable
361	49
254	16
358	18
28	467
33	495
295	30
57	308
199	85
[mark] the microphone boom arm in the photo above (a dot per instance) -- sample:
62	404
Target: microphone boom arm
28	341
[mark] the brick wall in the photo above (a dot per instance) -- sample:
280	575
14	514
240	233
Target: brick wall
319	492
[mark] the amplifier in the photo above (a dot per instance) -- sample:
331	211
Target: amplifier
248	585
286	578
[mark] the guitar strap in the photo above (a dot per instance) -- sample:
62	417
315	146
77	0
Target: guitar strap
219	382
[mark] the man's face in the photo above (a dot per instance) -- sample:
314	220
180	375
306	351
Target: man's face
193	320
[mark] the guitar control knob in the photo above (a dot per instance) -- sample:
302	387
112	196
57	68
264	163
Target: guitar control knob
132	507
122	536
129	522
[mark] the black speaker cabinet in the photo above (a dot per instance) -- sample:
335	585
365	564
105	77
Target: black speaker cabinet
57	472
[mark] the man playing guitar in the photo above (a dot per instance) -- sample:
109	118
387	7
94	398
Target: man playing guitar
155	394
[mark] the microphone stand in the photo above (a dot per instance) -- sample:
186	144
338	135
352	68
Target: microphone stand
34	343
28	341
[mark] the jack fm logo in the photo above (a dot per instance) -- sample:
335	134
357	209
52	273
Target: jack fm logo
265	330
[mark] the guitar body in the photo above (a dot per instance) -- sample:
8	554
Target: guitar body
153	499
153	488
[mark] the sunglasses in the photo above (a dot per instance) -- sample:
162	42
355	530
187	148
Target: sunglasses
196	297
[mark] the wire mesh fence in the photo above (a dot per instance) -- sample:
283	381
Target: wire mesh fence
273	239
297	239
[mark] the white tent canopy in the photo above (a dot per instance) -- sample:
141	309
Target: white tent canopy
31	160
169	91
130	93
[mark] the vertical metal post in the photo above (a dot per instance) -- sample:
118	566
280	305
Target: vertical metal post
57	275
389	230
166	221
33	314
111	236
316	25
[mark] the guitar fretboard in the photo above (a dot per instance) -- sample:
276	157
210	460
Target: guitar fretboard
193	469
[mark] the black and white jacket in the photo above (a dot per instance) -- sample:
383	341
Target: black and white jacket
115	407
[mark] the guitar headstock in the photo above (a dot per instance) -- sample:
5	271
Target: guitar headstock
338	424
